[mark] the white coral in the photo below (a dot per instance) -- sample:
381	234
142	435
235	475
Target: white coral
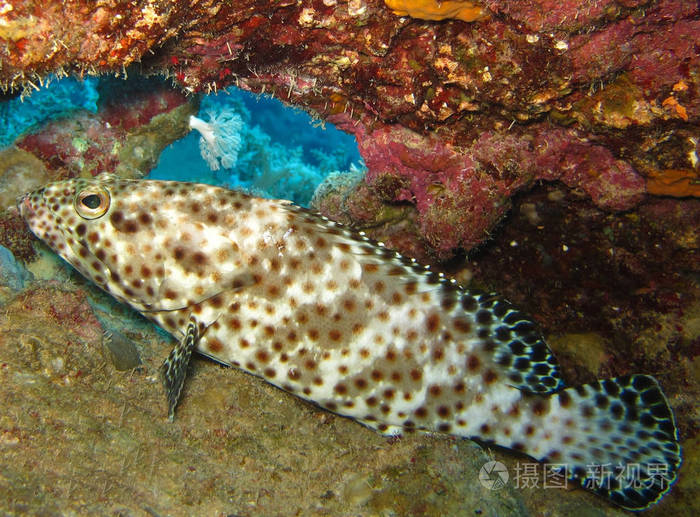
221	138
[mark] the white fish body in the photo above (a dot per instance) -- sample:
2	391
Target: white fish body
337	319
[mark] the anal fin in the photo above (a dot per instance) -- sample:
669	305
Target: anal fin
174	368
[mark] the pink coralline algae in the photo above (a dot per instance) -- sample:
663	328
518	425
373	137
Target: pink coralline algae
551	153
460	192
59	145
452	117
66	309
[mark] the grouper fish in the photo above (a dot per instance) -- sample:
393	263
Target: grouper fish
333	317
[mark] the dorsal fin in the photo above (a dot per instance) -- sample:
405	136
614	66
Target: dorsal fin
519	350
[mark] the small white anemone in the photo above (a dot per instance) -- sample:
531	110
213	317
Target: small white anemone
221	138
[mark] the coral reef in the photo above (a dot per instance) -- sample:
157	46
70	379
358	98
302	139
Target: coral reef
459	123
460	193
613	84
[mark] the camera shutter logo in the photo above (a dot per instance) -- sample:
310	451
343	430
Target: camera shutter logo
493	475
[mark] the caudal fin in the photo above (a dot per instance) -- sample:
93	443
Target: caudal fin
618	438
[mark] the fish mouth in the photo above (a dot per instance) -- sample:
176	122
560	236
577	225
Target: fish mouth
28	207
24	207
28	203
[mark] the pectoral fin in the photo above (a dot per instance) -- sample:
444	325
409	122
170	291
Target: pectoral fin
174	368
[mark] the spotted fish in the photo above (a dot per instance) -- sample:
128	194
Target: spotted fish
335	318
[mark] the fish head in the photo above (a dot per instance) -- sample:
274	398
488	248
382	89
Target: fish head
83	220
148	243
70	217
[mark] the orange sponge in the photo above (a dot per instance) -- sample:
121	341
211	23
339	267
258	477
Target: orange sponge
674	182
436	10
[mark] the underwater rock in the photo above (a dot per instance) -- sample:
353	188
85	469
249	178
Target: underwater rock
349	199
461	192
120	351
13	274
20	172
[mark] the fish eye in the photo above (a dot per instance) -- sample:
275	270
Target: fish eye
93	202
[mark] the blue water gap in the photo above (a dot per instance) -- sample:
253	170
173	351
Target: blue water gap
275	150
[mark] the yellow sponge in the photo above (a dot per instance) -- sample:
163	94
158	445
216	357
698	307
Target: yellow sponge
436	10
